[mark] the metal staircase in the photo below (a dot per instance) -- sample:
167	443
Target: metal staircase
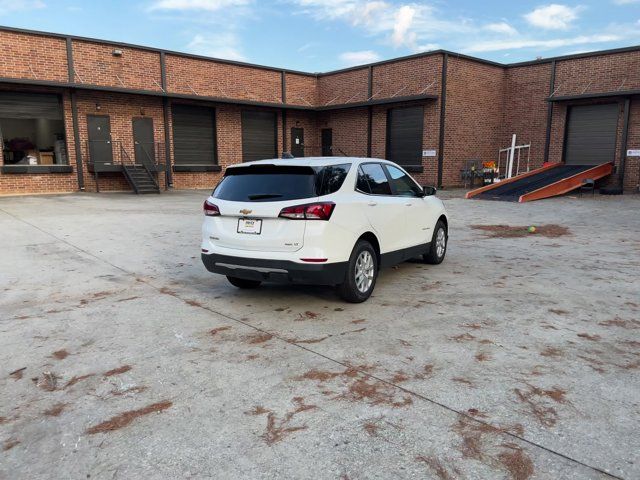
141	179
141	174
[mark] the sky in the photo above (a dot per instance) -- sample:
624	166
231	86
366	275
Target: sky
323	35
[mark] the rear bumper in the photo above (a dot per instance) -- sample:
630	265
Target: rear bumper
280	271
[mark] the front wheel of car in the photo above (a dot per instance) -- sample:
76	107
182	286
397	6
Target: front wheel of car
361	275
438	247
243	283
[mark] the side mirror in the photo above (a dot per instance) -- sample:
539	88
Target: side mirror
429	191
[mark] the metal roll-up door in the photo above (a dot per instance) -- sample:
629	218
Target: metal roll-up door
30	106
194	135
591	134
259	135
404	135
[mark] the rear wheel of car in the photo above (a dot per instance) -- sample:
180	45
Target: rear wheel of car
362	273
243	283
438	247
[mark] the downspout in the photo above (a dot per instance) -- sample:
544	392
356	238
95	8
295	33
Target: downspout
625	134
443	102
166	107
74	115
552	86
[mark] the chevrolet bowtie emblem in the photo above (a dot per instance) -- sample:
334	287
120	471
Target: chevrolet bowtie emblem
244	211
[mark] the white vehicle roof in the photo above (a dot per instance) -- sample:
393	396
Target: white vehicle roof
310	161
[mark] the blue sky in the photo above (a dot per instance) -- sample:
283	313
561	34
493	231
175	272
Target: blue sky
321	35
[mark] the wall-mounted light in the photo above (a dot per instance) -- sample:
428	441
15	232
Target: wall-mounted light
116	52
142	111
98	106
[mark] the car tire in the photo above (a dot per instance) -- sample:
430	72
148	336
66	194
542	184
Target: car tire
362	273
438	247
243	283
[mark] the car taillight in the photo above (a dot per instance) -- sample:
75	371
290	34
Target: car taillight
210	210
310	211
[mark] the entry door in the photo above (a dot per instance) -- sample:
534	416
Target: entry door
297	142
144	145
327	142
100	148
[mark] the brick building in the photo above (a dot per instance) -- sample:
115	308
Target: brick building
73	110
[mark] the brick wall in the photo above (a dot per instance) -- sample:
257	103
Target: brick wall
603	73
33	57
525	109
95	64
349	130
344	87
191	76
301	89
632	164
408	77
475	95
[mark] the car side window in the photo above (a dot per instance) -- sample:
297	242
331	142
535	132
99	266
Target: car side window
402	184
361	182
373	180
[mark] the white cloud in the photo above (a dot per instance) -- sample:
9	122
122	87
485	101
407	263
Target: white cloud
502	28
402	34
552	17
8	6
492	46
358	58
218	45
427	47
409	25
205	5
625	2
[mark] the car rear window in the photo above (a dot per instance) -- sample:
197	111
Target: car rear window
276	183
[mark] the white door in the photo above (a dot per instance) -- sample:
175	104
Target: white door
416	212
384	211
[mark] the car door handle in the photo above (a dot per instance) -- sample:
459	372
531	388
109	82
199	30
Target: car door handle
372	204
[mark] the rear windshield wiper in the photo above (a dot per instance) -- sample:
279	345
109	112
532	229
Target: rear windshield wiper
263	196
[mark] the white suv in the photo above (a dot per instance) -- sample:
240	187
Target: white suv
324	221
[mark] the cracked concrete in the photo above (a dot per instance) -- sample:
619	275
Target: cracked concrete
122	357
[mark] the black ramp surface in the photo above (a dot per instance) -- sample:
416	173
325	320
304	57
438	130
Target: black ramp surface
512	191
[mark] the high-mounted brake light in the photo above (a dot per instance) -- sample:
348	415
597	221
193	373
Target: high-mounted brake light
210	210
310	211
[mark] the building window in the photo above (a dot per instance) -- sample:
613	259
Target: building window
32	130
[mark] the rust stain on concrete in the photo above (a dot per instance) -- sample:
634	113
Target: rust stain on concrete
124	419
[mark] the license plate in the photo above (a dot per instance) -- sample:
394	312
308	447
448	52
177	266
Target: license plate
252	226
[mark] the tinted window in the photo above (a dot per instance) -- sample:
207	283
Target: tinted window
402	184
375	178
330	179
266	183
361	183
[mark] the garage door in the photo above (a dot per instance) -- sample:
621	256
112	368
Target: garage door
30	105
258	135
591	134
194	135
404	135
